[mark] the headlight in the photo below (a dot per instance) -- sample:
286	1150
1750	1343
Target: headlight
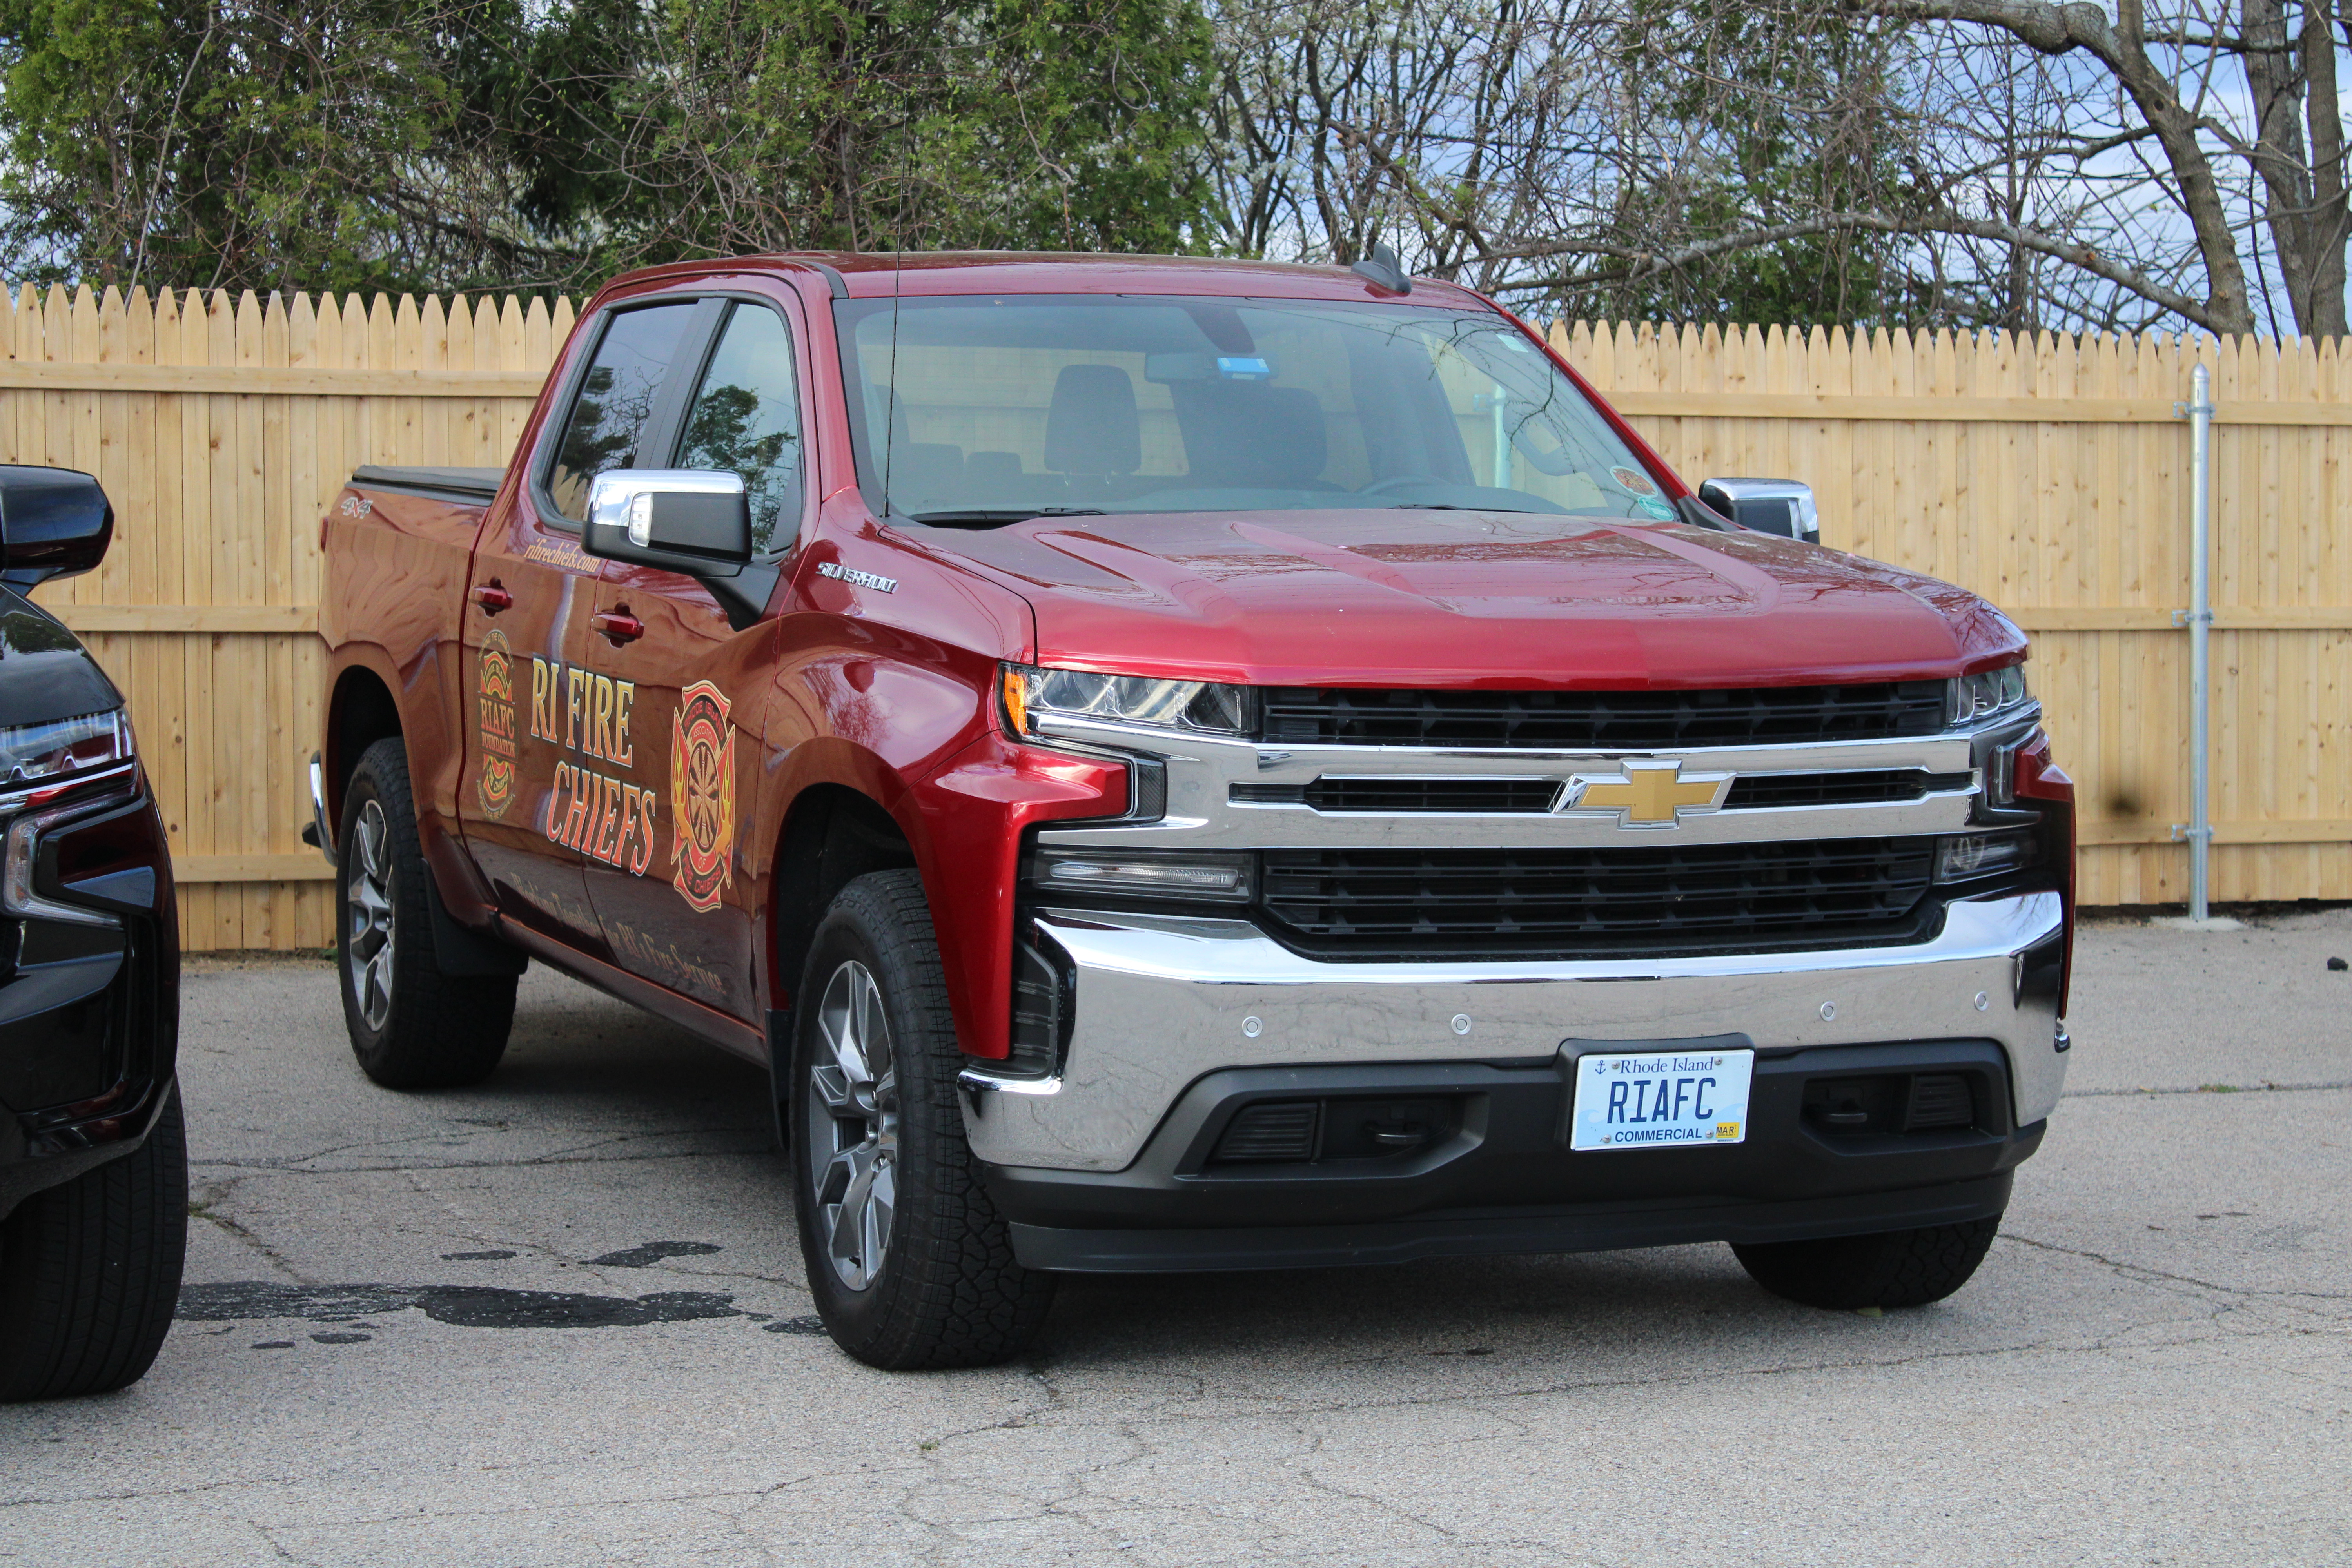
1978	697
47	757
1032	694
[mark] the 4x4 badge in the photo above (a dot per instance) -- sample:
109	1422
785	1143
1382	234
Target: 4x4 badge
1646	793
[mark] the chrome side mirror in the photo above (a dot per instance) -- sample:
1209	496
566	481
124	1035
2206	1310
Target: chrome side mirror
695	520
1784	507
54	522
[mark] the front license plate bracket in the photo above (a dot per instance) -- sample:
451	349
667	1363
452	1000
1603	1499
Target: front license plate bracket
1656	1094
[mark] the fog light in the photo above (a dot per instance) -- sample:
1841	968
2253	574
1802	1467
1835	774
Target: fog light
1977	855
1222	877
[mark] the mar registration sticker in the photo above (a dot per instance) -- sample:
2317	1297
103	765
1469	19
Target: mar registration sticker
1661	1099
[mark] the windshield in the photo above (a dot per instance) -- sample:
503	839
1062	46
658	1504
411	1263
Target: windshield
1011	406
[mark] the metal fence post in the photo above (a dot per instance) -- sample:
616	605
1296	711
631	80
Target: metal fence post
2199	829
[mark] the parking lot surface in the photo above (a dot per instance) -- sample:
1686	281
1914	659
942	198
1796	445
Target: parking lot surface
560	1319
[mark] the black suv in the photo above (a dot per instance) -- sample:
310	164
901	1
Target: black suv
93	1162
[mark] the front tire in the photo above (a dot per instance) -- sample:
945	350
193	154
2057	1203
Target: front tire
411	1025
910	1264
1894	1268
89	1271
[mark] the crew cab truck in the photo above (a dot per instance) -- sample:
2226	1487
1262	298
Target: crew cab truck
1176	764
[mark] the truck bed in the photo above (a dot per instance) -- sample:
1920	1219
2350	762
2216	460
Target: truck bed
478	485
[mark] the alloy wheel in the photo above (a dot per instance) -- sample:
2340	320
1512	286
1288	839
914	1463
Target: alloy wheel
368	915
853	1126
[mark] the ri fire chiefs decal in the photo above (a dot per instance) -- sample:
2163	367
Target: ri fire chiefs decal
495	718
702	796
603	816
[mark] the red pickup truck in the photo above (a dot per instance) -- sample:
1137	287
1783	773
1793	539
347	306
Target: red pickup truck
1177	765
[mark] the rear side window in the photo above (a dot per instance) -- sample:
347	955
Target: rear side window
746	417
616	400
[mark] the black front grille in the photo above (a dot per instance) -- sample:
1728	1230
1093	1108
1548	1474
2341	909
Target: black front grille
1395	796
1861	786
1603	720
1670	897
1398	795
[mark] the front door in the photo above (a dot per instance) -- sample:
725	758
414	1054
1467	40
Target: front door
687	916
539	749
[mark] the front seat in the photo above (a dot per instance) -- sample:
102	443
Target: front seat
1091	428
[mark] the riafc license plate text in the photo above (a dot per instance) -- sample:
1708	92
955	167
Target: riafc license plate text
1661	1099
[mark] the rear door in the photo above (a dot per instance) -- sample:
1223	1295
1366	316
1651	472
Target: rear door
686	916
544	759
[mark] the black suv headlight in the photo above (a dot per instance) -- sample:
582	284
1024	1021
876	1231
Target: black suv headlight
43	760
40	763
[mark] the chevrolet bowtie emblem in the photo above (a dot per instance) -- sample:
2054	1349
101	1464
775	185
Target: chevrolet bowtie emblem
1646	793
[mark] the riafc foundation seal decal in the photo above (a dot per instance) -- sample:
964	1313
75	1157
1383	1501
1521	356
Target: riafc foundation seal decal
702	796
494	698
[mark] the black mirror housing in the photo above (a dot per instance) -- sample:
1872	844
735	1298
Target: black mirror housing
681	520
54	522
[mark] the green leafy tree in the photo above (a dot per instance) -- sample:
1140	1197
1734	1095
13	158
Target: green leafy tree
183	140
441	143
918	124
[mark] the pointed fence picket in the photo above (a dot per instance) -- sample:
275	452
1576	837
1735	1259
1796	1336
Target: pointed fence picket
2045	471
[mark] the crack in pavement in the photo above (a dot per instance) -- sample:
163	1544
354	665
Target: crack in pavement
2144	1272
2265	1086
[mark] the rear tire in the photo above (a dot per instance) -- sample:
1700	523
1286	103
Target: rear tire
1895	1268
412	1027
910	1263
89	1271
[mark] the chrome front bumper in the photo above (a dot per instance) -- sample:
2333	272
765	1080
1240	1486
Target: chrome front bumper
1162	1001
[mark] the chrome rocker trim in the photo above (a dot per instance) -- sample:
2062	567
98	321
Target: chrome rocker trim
1162	1000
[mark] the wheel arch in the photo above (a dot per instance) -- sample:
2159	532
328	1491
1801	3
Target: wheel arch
833	833
360	711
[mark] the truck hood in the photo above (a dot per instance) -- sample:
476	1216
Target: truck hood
45	672
1467	599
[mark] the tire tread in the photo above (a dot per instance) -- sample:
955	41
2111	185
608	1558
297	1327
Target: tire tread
1892	1269
445	1031
89	1271
954	1296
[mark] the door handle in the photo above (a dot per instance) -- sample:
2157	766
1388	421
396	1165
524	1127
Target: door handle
492	598
618	626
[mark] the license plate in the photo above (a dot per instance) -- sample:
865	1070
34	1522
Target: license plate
1661	1099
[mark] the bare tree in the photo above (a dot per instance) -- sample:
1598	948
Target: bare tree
2019	162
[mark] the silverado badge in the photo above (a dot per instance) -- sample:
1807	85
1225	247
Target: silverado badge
702	796
1646	793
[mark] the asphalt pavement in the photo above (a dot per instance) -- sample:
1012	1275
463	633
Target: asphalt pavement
560	1320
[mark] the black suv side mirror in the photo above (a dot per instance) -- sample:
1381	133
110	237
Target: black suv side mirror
682	520
54	522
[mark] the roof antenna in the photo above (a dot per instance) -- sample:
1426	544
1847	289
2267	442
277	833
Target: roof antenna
890	414
1381	269
897	272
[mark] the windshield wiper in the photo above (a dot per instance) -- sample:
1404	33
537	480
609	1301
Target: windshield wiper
983	515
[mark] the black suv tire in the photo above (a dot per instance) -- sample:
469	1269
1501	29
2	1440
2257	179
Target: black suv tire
89	1271
412	1027
946	1291
1894	1268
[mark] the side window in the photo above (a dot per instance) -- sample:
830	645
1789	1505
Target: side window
746	416
615	399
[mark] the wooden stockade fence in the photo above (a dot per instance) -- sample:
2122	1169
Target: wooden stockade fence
2047	473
